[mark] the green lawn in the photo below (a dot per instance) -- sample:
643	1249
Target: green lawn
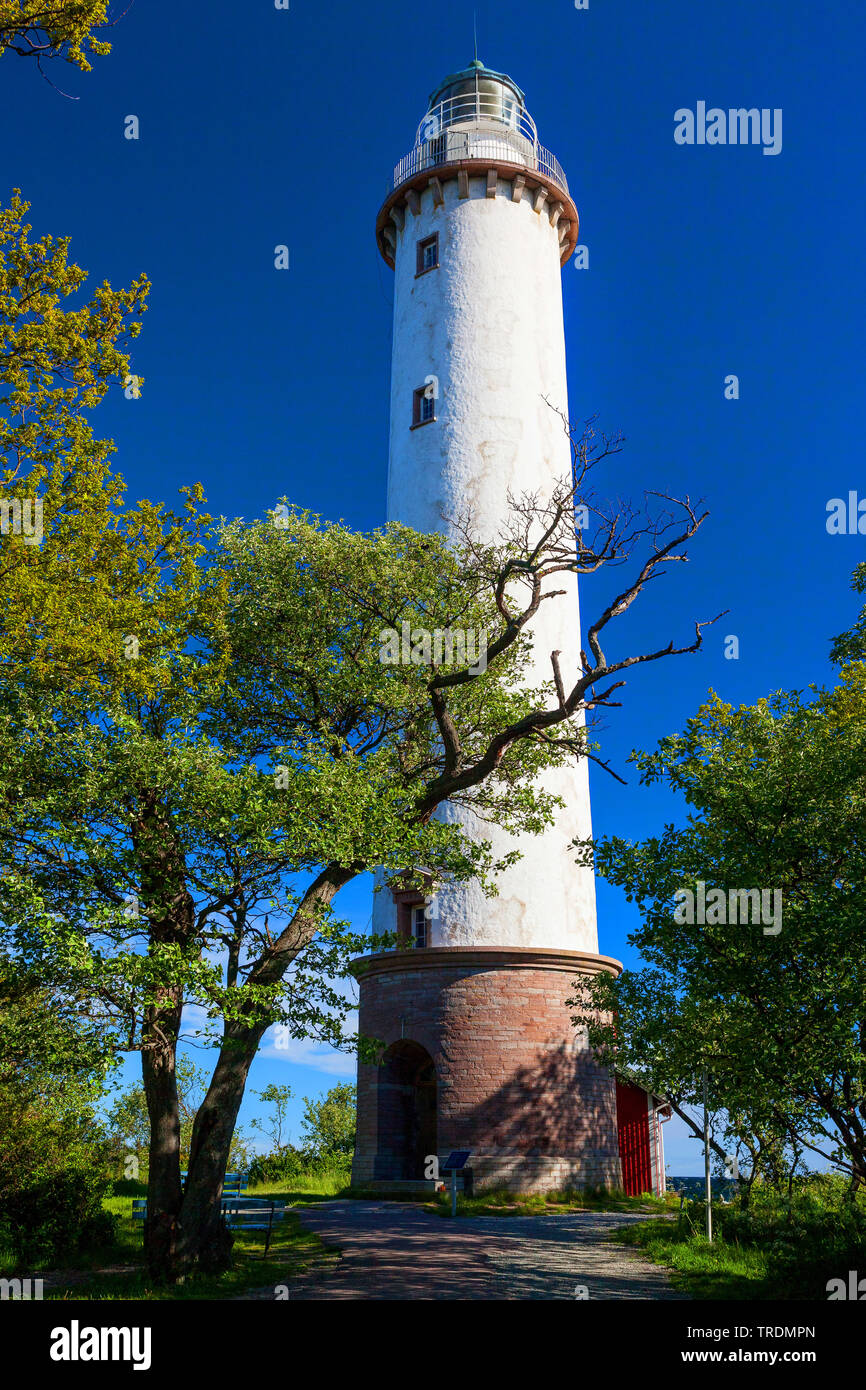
116	1272
782	1246
719	1270
504	1203
501	1202
318	1187
776	1249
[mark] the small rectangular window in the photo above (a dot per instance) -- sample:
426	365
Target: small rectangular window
427	254
423	406
419	926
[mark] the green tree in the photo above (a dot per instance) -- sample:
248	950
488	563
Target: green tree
87	583
775	1012
54	29
54	1160
277	1097
176	826
46	1033
329	1123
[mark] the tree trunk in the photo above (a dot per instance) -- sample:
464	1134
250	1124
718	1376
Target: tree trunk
170	911
164	1191
187	1231
204	1241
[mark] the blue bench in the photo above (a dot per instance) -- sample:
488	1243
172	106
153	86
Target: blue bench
234	1184
253	1214
240	1213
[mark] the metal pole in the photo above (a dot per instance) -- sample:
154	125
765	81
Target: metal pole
453	1191
707	1180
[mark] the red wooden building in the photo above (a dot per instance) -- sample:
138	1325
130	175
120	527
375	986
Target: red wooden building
639	1118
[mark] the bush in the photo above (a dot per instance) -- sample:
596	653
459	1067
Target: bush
814	1236
128	1187
59	1215
54	1174
280	1166
820	1250
329	1123
288	1164
327	1165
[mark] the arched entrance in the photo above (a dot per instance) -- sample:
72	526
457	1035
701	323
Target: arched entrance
406	1112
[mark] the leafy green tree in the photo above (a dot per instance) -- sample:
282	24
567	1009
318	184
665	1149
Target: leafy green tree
176	826
329	1124
46	1034
54	29
54	1172
849	648
277	1097
776	1014
82	574
54	1164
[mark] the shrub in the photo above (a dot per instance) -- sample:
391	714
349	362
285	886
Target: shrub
329	1165
287	1164
809	1238
280	1166
59	1215
329	1123
53	1177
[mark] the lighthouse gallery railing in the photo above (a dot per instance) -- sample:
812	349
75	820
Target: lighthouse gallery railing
478	126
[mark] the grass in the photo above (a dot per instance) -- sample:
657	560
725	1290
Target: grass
322	1187
721	1270
117	1272
501	1202
780	1247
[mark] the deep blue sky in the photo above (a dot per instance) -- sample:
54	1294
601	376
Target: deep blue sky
261	127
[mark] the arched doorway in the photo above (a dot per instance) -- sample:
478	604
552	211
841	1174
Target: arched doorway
406	1112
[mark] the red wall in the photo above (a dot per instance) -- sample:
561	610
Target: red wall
632	1120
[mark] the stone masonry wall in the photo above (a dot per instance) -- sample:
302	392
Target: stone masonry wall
515	1085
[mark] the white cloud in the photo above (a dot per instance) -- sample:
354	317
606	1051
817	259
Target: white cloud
304	1052
307	1052
194	1022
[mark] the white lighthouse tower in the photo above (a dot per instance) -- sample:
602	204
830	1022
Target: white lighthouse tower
481	1051
477	251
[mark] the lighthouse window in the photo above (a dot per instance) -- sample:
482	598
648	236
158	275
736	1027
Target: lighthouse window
419	926
423	406
428	254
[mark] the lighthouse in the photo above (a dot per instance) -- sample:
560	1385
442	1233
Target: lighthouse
481	1054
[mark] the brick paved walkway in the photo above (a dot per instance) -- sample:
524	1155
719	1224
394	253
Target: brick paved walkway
395	1251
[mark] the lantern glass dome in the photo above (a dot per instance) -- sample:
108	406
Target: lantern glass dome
479	94
476	115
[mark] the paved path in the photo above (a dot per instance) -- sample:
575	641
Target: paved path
396	1251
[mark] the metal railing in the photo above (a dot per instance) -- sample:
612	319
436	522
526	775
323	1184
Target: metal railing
477	108
476	125
448	150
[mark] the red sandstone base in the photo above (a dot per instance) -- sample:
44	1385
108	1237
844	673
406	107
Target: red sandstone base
482	1055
